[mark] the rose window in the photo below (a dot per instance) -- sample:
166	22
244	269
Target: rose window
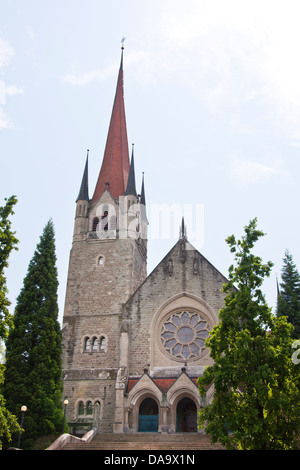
183	335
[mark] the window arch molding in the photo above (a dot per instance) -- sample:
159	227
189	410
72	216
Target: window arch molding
86	344
179	303
103	219
100	261
103	343
94	343
86	407
95	225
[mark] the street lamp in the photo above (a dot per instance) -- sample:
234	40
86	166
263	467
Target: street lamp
23	409
66	402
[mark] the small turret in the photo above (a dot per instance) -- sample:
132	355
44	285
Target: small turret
82	205
143	216
131	188
84	188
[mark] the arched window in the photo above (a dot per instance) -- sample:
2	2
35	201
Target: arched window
102	344
80	408
95	344
100	261
95	224
87	344
104	219
89	408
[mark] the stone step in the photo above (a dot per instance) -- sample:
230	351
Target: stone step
123	442
143	446
153	437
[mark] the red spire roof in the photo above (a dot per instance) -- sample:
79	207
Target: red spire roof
115	164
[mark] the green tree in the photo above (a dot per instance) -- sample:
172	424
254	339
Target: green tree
8	242
256	399
33	353
288	302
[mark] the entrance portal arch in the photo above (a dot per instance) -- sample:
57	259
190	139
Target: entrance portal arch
186	415
148	416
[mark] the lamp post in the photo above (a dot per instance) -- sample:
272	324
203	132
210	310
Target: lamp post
23	409
66	402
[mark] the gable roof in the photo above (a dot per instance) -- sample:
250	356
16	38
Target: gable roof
169	255
162	383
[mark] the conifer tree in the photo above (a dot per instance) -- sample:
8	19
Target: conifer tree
33	359
256	384
288	302
8	242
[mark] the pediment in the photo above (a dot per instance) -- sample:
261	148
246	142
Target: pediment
185	384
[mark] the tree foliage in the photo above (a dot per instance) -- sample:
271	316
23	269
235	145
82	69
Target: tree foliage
256	385
288	302
33	359
8	242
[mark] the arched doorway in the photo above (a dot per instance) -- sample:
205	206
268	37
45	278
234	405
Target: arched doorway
148	416
186	416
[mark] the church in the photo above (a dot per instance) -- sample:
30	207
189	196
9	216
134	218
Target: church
133	344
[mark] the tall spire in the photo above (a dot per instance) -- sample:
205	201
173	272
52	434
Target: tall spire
84	188
115	165
131	188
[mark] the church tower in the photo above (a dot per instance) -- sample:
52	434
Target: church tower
108	262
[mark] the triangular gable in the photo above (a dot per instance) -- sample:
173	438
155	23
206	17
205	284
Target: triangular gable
183	377
164	261
162	383
132	382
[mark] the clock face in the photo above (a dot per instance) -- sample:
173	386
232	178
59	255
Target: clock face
183	335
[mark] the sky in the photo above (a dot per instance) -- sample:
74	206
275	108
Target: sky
212	103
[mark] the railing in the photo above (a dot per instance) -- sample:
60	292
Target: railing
64	439
102	235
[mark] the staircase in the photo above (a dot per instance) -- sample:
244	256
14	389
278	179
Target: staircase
146	441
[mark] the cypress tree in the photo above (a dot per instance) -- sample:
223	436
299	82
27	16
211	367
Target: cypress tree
288	302
33	358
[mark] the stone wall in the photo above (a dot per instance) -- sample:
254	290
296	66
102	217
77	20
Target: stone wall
184	279
103	273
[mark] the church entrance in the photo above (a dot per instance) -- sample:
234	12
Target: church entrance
148	416
186	416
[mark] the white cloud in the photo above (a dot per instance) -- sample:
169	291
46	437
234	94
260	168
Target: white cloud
87	77
231	53
5	122
139	58
245	172
14	90
6	52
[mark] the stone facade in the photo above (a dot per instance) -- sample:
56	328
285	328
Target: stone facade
133	346
121	348
104	271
